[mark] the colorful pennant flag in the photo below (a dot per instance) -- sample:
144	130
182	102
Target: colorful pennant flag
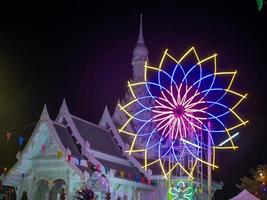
113	172
69	157
122	174
83	163
107	169
98	167
59	154
43	150
130	176
8	136
21	140
137	178
143	180
74	160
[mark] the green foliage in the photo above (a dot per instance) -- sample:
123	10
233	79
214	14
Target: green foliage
108	196
260	4
85	194
256	184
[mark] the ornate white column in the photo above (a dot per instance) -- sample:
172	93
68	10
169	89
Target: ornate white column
31	186
18	191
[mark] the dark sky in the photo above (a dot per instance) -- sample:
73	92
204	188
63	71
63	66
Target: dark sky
82	51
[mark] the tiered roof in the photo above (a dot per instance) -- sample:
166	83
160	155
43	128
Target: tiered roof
75	136
103	143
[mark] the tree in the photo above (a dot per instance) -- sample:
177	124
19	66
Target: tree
256	184
85	194
108	196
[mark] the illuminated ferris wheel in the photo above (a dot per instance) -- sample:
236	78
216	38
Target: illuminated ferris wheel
185	110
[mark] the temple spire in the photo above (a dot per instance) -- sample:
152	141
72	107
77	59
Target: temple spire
140	55
140	37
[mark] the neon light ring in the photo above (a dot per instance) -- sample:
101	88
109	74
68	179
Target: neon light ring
175	101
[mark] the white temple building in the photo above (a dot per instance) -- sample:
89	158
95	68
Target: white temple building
60	154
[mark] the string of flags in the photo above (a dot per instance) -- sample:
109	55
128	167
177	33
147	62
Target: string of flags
77	161
122	174
8	134
21	138
88	164
14	133
96	168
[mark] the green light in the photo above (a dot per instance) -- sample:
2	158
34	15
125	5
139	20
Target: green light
260	4
181	190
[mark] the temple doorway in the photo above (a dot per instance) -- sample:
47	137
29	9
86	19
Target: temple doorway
58	190
41	190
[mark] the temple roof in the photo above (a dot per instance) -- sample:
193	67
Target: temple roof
67	140
80	139
100	139
75	132
118	167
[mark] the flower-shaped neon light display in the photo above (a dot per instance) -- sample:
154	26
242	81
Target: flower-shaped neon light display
183	107
181	192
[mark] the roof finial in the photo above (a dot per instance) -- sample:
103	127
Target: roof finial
140	54
140	37
44	115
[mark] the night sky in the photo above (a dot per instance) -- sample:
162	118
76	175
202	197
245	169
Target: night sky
83	51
